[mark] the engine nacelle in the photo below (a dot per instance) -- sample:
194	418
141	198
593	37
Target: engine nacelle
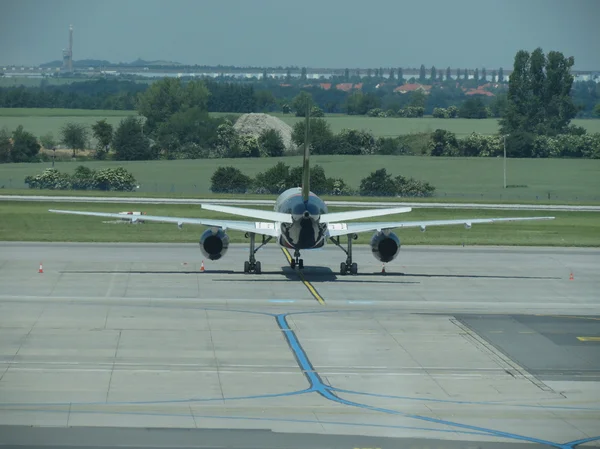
214	243
385	246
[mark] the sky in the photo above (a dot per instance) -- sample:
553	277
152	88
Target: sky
312	33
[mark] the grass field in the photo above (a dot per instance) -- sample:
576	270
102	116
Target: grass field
41	121
566	180
32	222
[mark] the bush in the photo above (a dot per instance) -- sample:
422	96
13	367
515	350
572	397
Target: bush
229	180
443	143
117	179
352	141
271	143
380	183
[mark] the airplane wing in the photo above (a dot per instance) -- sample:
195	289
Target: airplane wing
368	213
337	229
263	228
252	213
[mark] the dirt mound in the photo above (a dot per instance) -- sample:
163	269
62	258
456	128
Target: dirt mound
255	124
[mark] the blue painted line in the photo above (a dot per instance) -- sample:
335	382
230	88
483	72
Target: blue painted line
572	444
451	401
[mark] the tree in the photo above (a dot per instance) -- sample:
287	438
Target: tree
103	133
539	99
476	75
448	74
347	75
392	75
400	75
301	102
377	73
443	143
597	109
500	75
466	74
74	135
484	75
5	146
166	97
378	183
303	74
320	136
274	180
472	108
494	76
369	73
271	143
422	74
264	75
288	75
25	146
129	142
47	141
433	76
229	180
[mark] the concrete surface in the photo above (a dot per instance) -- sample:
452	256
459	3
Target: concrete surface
463	344
240	202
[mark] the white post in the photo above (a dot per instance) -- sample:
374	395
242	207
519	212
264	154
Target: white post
505	161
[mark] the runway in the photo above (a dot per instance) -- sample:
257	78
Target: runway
347	204
451	347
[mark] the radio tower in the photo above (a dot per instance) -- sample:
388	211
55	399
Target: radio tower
68	54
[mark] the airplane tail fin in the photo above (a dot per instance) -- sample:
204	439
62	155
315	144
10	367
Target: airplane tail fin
305	165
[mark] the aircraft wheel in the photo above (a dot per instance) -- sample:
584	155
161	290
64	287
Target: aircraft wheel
354	268
343	269
257	268
301	264
246	267
293	264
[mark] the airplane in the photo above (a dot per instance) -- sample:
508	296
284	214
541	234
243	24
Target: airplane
301	221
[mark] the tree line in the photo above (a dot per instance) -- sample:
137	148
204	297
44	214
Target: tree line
269	95
281	177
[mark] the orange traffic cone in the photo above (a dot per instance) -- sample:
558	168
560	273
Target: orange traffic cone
41	270
571	277
202	267
383	268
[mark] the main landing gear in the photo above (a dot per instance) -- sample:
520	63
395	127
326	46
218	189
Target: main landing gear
296	261
252	265
348	266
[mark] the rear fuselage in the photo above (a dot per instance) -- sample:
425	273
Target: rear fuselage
306	231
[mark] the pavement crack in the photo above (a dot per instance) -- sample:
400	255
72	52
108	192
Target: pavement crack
113	365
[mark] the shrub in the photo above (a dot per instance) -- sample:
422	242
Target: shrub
229	180
117	179
380	183
51	179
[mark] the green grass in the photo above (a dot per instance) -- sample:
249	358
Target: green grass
41	121
24	221
566	180
16	81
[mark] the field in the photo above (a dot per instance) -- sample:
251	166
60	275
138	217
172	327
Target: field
42	121
32	222
562	180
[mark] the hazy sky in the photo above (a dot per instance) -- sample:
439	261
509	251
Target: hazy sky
313	33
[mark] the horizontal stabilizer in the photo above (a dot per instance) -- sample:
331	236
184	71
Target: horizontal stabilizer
252	213
356	214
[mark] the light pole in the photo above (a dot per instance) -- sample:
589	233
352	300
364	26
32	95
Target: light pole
505	135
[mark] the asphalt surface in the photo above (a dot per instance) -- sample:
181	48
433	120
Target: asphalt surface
451	347
240	202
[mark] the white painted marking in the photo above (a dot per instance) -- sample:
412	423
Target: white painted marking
360	302
282	300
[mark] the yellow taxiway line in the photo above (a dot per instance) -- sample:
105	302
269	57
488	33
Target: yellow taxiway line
313	291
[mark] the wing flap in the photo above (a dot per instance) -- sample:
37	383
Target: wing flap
251	213
263	228
337	229
356	214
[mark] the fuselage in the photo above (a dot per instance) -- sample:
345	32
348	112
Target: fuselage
306	231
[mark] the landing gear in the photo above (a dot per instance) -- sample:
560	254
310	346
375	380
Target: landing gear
348	266
252	265
296	261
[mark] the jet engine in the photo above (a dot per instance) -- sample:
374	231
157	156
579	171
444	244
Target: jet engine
385	246
214	243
